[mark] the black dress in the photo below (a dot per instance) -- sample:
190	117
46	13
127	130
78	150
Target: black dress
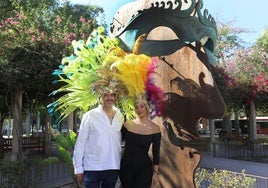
136	168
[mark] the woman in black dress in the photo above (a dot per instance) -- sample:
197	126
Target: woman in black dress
137	170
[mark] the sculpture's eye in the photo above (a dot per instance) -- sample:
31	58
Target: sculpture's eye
162	33
160	41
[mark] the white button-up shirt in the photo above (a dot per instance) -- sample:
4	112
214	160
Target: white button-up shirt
98	146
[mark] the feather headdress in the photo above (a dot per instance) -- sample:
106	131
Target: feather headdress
83	74
136	73
99	64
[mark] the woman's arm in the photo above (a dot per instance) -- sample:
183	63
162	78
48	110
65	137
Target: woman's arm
123	132
156	169
156	148
156	158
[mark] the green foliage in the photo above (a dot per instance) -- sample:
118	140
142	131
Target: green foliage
228	40
34	37
23	173
50	160
65	155
244	78
223	179
242	72
262	41
65	146
26	173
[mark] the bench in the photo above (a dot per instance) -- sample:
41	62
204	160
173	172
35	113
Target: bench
27	143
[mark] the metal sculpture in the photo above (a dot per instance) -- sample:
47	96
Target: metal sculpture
183	38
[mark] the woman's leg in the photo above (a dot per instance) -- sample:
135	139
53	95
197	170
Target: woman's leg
144	178
126	178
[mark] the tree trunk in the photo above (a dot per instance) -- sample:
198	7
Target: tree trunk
212	134
236	124
1	137
16	153
212	130
70	121
227	122
252	122
28	122
2	146
47	146
38	126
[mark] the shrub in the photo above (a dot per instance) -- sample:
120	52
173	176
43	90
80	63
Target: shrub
222	179
23	173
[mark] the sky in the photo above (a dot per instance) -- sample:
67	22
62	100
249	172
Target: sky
245	14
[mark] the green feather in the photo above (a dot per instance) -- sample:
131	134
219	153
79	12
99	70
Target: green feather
80	72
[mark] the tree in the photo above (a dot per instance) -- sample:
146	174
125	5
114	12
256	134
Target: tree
34	37
262	41
241	74
228	42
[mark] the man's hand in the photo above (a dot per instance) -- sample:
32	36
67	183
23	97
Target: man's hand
79	178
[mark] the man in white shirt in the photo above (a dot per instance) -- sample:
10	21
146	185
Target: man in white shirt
97	152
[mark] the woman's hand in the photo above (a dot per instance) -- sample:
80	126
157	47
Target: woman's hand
155	179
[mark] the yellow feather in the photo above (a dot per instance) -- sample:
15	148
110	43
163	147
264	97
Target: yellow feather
138	42
132	70
113	55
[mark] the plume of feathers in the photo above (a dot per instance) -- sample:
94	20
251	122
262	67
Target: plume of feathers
99	63
154	93
80	74
136	73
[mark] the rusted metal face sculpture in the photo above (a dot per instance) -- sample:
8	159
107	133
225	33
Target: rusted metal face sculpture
183	40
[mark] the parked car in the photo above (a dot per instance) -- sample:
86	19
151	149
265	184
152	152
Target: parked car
202	131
